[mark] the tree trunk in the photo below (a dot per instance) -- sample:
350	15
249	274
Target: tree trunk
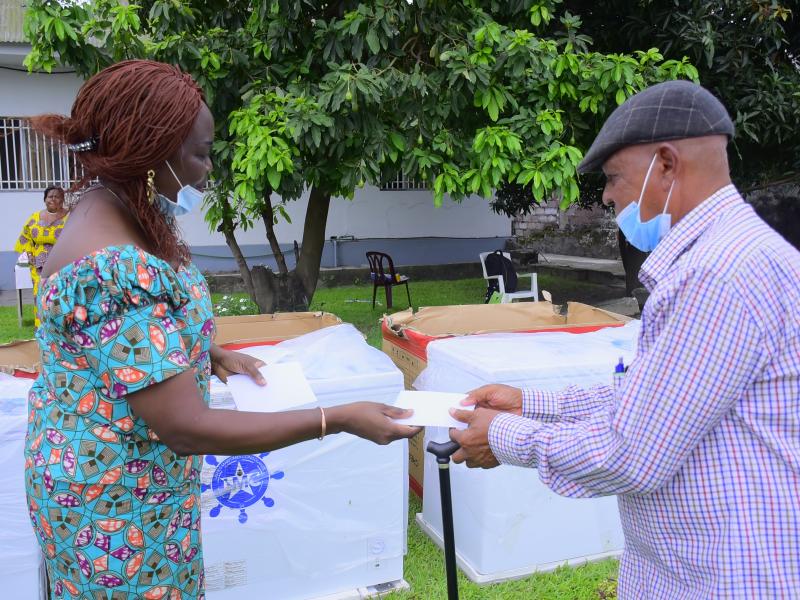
293	290
278	292
313	240
269	223
241	262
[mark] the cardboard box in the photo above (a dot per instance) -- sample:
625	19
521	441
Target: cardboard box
21	358
247	330
406	336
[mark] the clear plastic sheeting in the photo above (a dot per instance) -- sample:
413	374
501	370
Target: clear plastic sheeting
331	353
20	555
508	523
546	361
317	518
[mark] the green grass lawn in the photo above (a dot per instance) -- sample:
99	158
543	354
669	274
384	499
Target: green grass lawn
424	566
9	326
353	303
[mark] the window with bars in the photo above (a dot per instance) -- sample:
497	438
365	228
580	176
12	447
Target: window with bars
30	161
401	183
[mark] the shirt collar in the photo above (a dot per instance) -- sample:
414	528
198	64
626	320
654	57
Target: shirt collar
685	232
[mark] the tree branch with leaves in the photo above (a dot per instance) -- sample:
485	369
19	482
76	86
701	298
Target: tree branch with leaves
324	98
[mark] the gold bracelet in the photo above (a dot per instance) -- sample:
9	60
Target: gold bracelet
324	425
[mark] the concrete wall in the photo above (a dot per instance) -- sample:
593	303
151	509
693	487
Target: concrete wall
27	94
352	253
779	206
548	217
577	231
375	214
404	224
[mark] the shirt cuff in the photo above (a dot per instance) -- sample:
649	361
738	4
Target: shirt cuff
540	405
512	439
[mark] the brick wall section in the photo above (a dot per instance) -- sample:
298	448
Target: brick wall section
576	231
593	232
548	216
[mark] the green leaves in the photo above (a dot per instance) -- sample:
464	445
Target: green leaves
372	41
125	18
489	34
541	14
468	98
744	52
550	122
494	100
208	59
263	153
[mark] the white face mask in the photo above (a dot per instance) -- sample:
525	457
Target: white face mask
189	198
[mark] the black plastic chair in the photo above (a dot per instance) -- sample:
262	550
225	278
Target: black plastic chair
382	273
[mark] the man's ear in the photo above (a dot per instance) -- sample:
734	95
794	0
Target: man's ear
669	165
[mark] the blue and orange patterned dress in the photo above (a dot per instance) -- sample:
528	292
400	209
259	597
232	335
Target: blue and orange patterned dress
115	510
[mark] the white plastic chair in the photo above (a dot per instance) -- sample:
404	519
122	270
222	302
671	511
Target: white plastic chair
506	297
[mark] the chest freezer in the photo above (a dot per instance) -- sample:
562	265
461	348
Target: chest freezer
507	523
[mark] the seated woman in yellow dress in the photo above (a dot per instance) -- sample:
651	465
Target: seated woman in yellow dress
40	233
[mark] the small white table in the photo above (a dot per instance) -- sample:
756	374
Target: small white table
22	277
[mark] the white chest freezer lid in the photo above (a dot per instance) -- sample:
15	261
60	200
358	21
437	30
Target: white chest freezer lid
336	360
511	357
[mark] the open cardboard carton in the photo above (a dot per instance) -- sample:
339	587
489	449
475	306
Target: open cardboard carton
406	336
249	330
21	358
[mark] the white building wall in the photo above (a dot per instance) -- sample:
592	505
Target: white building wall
26	94
23	95
372	214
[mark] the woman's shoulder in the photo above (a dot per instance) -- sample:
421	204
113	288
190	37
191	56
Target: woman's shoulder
33	218
94	225
109	280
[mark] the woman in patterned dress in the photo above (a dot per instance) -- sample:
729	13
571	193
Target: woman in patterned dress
119	413
40	233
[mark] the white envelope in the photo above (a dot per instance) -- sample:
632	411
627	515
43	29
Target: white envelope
431	409
287	388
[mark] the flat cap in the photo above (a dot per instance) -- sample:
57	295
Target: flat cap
672	110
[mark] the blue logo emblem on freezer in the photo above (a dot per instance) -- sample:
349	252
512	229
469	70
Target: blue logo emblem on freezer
239	482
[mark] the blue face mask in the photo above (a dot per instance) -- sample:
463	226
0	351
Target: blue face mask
189	198
645	235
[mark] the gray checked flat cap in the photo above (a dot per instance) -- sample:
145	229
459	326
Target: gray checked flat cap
673	110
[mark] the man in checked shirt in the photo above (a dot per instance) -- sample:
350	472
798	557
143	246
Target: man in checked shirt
701	442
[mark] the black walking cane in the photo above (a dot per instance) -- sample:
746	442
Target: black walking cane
443	451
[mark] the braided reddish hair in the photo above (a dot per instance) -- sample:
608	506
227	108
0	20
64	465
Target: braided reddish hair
140	112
